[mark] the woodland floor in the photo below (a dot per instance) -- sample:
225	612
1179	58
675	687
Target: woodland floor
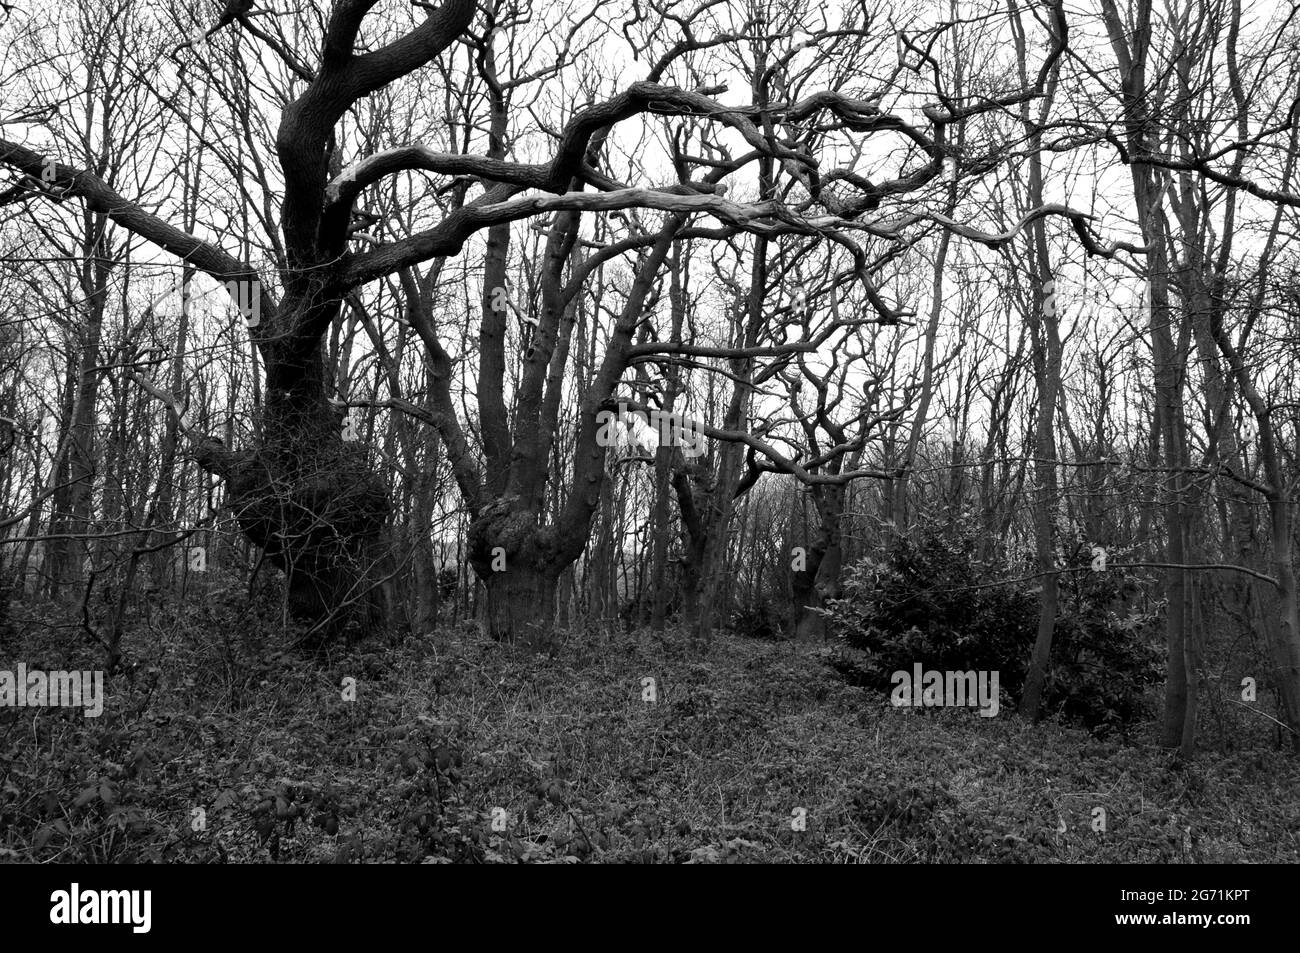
446	729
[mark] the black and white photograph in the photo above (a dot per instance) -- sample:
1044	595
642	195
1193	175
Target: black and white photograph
839	432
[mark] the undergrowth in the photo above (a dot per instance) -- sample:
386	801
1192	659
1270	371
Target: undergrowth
216	746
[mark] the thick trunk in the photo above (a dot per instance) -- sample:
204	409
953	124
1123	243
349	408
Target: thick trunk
694	536
520	567
321	521
819	580
313	505
521	605
713	564
803	583
811	624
